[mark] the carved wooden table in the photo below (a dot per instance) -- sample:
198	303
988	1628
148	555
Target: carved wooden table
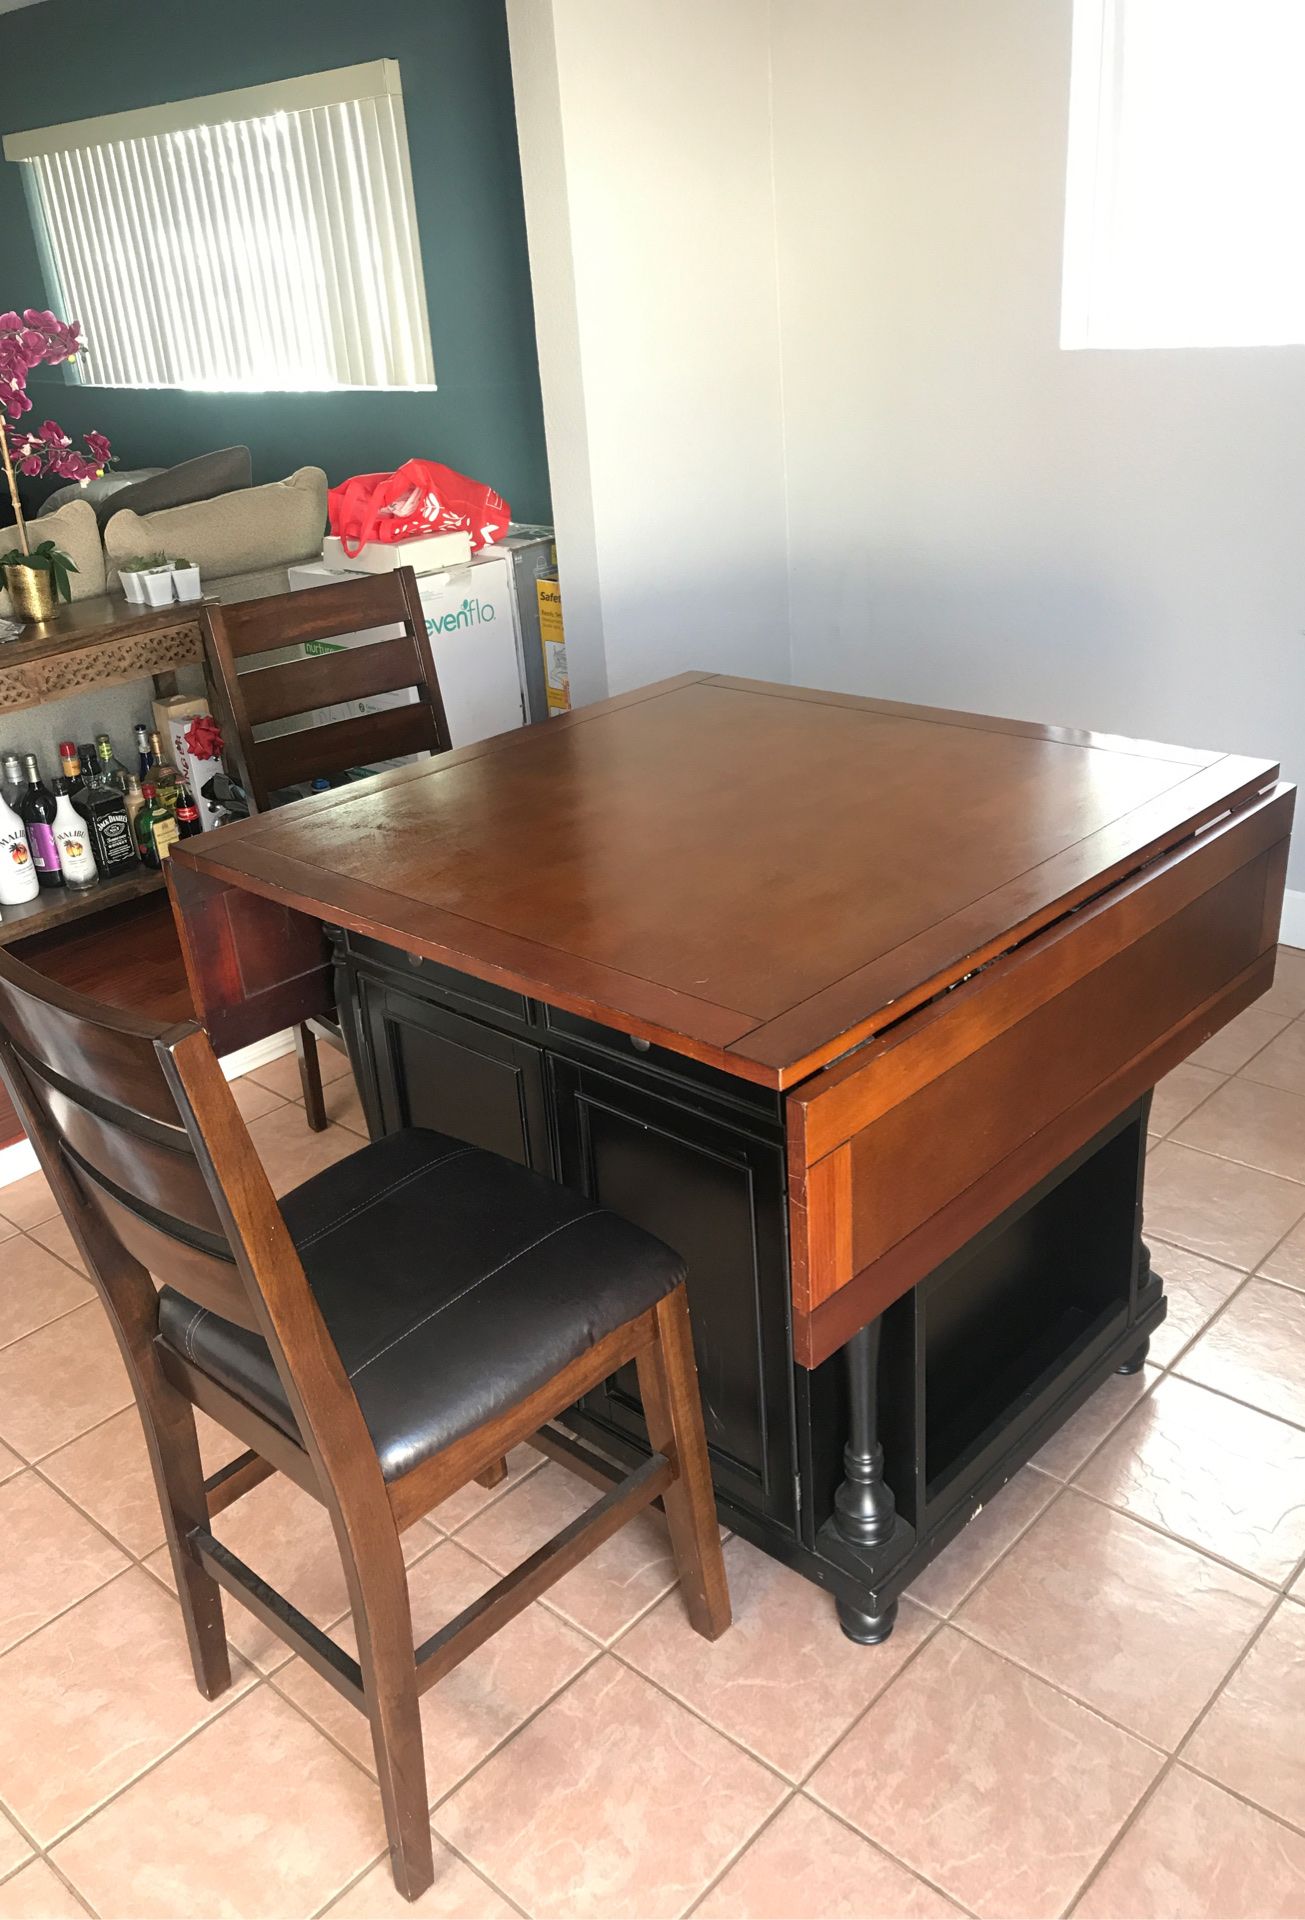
97	643
857	1004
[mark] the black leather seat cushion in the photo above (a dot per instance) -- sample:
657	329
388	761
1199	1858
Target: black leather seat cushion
453	1284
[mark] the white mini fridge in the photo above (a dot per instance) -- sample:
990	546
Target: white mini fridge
471	618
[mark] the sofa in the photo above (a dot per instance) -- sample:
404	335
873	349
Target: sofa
242	542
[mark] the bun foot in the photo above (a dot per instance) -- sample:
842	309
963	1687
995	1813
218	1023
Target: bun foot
1136	1361
867	1629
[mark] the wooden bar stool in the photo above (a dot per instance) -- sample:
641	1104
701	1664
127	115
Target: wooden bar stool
382	1336
249	693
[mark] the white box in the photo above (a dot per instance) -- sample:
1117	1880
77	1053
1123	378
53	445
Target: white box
470	619
427	555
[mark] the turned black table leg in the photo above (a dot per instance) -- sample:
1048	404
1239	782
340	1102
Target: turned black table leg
1137	1360
864	1509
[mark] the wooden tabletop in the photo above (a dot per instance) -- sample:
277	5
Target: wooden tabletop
759	876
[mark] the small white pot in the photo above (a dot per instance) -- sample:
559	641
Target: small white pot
185	580
132	587
158	587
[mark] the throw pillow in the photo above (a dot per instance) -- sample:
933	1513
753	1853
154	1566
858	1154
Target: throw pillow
203	478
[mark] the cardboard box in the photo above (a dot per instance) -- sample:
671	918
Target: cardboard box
171	718
552	638
427	555
527	551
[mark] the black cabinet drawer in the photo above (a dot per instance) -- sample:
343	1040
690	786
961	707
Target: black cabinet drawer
433	1068
448	983
626	1049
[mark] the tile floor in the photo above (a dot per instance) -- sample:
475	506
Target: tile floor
1092	1704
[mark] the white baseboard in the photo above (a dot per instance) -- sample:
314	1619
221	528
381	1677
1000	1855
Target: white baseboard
1293	919
17	1161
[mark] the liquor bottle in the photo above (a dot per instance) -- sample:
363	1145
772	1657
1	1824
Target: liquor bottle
18	881
86	755
13	783
70	762
36	811
156	827
133	800
105	809
71	837
110	765
143	750
162	772
188	820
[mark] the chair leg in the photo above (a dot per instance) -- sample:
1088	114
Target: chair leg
494	1474
668	1384
173	1444
310	1078
378	1586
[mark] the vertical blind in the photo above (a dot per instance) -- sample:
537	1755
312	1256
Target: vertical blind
1186	182
277	250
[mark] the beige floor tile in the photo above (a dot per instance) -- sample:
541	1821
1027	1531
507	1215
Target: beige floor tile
291	1152
1287	1261
614	1801
1221	1476
1220	1208
606	1591
458	1893
286	1537
808	1866
37	1893
1129	1621
471	1499
481	1702
35	1288
959	1567
259	1817
343	1106
60	1381
1083	1432
52	1556
1195	1289
1282	1062
24	1202
253	1099
1179	1092
783	1681
1287	994
107	1473
1250	1739
992	1784
56	1235
1260	1126
1195	1853
93	1699
9	1463
1241	1039
13	1848
1255	1351
282	1075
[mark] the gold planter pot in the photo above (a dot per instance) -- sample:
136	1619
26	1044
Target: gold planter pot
31	590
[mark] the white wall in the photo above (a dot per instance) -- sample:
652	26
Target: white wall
645	136
1112	540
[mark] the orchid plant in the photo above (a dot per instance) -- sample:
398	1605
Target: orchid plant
30	339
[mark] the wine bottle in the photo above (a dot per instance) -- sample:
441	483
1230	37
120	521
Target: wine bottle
36	811
18	881
156	827
73	840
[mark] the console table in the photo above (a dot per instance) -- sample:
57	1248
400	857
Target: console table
857	1004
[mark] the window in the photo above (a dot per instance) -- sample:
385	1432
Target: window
260	239
1186	183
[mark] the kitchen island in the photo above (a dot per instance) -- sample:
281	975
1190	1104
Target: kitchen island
859	1005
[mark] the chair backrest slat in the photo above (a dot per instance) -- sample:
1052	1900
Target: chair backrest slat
249	696
209	1279
110	1056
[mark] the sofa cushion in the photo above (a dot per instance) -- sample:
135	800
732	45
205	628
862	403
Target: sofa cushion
74	531
270	526
204	478
97	492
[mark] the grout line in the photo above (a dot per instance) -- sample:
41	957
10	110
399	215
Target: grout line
1134	1816
739	1852
881	1848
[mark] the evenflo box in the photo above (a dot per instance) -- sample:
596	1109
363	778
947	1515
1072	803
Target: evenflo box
470	618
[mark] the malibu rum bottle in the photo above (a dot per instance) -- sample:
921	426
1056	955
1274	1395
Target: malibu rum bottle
18	881
73	840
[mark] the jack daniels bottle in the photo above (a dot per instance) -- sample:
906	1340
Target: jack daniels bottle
102	807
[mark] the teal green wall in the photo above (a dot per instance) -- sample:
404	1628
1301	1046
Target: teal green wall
87	57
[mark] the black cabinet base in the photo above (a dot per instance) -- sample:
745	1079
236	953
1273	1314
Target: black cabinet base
867	1629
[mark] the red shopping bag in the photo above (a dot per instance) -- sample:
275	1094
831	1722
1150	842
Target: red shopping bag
419	497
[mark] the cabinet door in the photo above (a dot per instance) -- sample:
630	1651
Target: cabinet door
716	1195
436	1069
